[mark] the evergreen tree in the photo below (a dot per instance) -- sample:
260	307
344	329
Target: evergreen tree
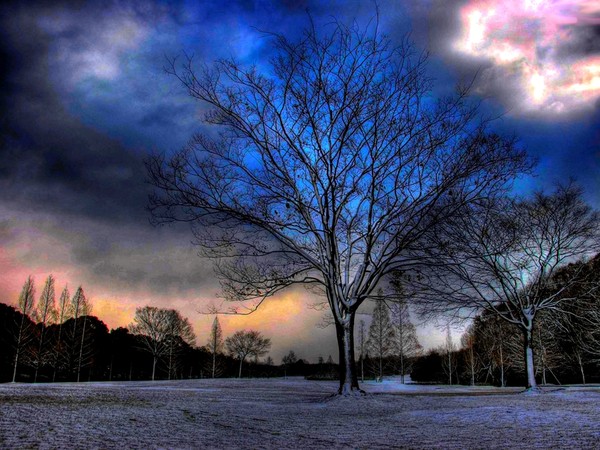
362	341
381	334
215	345
406	344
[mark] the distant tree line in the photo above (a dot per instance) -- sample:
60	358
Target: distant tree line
44	340
566	342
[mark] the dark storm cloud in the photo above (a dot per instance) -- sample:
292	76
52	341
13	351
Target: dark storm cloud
585	41
85	99
49	159
78	118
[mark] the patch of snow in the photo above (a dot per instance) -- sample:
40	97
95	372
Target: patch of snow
293	413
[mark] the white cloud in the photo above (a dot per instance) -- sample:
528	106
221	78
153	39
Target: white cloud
86	43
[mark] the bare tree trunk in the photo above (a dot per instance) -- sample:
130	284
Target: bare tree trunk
581	368
543	374
529	364
402	367
472	365
57	356
153	368
502	381
362	369
170	360
214	363
348	378
240	371
81	348
18	350
39	354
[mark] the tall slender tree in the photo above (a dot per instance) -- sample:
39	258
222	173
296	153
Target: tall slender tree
362	347
26	299
45	314
63	314
468	340
82	309
381	334
215	344
406	343
327	170
449	355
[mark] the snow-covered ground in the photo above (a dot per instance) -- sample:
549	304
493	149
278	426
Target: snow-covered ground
293	413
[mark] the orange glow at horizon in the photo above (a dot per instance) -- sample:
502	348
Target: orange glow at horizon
522	38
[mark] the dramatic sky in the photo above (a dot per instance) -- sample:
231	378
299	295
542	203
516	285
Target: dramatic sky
84	98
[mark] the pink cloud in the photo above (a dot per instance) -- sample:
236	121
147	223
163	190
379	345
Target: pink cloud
523	38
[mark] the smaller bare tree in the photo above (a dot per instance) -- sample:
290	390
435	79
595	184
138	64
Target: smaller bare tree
179	332
151	326
162	333
247	343
502	256
288	360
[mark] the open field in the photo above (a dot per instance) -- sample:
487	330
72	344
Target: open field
293	413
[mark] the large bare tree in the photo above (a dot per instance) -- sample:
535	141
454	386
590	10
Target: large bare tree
324	169
503	256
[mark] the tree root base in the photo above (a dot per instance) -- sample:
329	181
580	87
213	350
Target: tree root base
533	391
353	395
